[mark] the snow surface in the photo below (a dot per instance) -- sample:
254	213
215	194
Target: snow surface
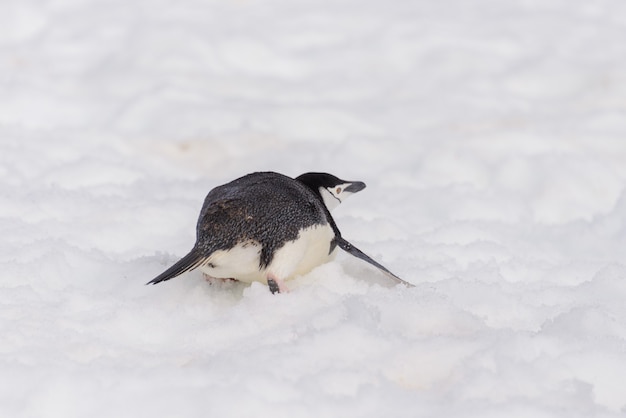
491	137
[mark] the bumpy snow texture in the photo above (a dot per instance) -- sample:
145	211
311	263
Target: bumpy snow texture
491	135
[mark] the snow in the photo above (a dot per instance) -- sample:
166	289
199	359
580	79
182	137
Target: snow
490	135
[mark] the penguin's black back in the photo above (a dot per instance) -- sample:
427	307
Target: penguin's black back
268	208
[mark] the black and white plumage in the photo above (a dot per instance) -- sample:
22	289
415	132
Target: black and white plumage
268	227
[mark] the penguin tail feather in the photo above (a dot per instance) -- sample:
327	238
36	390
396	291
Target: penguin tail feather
188	262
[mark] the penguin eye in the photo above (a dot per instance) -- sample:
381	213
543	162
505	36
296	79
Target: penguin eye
338	190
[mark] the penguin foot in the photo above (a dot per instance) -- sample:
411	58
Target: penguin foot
216	280
275	285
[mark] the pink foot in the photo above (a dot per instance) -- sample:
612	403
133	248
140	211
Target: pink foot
216	280
276	285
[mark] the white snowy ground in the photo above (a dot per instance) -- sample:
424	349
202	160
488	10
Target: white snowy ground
492	137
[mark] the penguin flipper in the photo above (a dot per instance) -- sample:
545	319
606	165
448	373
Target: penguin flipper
188	262
351	249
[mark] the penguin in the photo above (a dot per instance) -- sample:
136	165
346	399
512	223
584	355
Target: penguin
269	227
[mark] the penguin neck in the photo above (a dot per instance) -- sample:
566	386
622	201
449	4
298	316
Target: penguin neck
330	201
319	194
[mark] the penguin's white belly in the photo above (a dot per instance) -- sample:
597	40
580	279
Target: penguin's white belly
240	262
298	257
294	258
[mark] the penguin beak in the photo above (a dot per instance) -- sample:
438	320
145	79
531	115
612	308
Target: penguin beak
355	186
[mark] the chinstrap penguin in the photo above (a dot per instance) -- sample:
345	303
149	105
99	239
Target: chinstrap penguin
268	227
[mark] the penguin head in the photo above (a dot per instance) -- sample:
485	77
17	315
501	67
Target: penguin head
330	189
